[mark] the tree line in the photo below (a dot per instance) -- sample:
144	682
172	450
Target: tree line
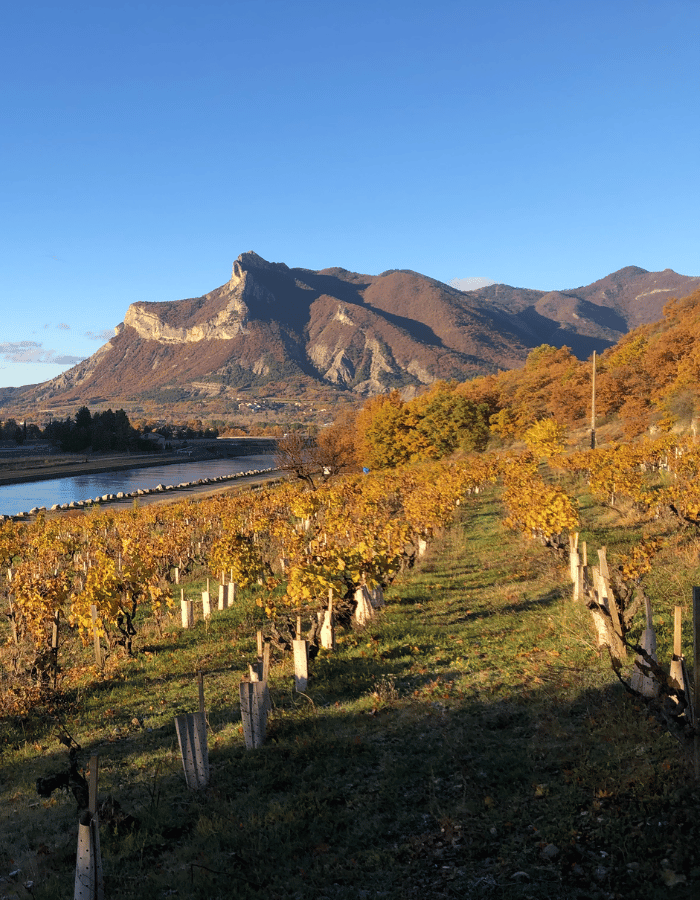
101	431
104	431
11	430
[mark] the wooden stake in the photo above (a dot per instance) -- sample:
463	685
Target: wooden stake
96	637
266	661
612	605
574	563
54	646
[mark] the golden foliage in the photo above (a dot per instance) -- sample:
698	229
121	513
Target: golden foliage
546	438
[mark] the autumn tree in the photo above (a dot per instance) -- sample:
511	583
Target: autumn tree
294	455
11	431
546	437
381	432
443	421
334	451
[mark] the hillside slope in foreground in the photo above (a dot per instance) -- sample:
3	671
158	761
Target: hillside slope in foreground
471	742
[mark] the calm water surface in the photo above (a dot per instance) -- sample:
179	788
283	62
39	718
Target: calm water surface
16	498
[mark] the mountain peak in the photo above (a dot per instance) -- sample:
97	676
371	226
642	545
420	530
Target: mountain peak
630	272
252	260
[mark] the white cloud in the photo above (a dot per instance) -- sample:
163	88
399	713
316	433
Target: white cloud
105	335
67	360
12	346
470	284
32	352
21	351
63	326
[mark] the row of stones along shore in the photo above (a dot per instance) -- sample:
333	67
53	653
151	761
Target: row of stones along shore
141	492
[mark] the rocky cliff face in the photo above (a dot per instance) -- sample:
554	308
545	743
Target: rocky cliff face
289	331
228	308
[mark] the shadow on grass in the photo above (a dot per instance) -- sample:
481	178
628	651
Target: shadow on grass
422	798
536	604
544	795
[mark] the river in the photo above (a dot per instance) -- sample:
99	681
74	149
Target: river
16	498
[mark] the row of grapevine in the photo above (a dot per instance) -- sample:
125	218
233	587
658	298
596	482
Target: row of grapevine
651	476
295	545
542	510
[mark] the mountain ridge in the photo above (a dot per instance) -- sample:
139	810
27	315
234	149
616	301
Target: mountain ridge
275	329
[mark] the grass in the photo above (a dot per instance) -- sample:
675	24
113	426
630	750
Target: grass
470	742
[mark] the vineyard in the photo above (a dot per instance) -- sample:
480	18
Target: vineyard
471	738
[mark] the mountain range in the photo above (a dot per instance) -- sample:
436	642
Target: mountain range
295	332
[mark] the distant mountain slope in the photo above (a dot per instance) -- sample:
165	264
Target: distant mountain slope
594	316
295	331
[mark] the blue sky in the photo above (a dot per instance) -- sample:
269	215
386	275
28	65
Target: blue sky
144	146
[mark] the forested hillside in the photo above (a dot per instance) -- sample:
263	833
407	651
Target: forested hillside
650	377
649	380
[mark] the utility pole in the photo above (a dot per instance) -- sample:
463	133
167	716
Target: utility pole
593	404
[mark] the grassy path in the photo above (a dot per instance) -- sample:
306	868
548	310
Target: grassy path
469	743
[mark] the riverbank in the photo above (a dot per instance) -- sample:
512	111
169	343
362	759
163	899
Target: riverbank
38	467
172	494
202	491
161	494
